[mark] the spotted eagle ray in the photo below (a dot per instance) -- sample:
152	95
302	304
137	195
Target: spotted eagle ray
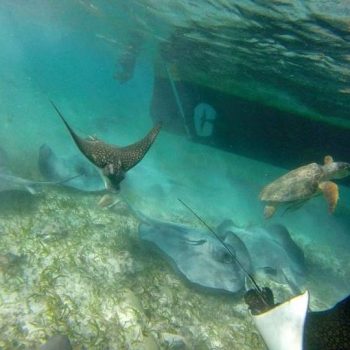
113	160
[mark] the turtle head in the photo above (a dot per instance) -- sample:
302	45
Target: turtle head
337	170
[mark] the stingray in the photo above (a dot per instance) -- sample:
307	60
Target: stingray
203	260
11	182
198	256
273	252
56	168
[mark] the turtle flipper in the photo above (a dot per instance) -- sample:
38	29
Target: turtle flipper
331	193
269	210
295	206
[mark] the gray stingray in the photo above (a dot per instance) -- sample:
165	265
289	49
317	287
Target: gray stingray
272	251
197	255
11	182
202	259
56	168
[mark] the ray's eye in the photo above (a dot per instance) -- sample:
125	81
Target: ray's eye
227	258
224	256
270	270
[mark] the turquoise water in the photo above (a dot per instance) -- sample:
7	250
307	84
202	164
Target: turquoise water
80	270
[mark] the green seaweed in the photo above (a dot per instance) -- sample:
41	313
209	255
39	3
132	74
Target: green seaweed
69	284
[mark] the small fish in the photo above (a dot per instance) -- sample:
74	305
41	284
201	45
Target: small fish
108	201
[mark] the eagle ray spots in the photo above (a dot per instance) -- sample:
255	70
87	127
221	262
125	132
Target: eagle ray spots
114	161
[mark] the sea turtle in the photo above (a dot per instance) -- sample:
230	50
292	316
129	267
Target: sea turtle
301	184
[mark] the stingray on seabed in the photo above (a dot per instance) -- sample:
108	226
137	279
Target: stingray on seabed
58	168
196	255
203	260
272	250
11	182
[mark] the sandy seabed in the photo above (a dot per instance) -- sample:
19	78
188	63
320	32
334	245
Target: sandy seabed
68	266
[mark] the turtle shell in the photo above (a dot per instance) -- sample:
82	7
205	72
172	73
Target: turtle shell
299	184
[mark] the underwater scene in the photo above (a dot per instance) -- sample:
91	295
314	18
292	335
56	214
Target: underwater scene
174	174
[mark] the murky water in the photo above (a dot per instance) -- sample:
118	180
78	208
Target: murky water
246	91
